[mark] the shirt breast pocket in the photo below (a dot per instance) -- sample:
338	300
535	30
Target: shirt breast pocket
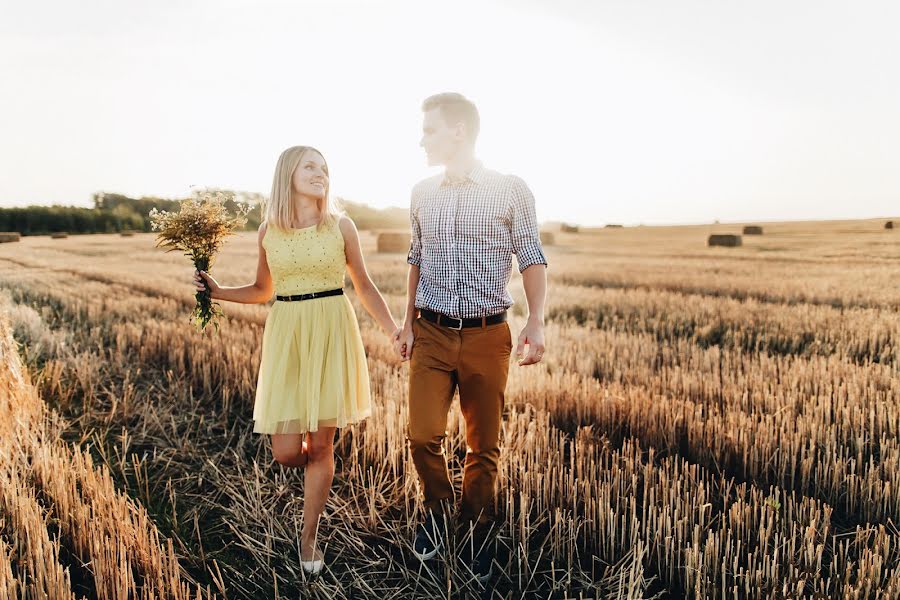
487	226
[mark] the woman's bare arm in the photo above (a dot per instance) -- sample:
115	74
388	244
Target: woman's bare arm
369	295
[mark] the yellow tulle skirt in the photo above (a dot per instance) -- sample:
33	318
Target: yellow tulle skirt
313	370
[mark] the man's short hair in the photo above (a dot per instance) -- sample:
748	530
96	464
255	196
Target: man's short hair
455	108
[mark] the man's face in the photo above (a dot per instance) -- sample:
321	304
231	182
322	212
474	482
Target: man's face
440	141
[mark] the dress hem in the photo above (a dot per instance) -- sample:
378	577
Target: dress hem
267	429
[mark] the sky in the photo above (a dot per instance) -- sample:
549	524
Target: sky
627	112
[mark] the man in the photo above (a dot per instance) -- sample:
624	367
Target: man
466	225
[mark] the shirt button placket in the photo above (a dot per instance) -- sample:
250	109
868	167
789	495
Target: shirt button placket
454	246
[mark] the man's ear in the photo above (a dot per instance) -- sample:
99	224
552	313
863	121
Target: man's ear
459	131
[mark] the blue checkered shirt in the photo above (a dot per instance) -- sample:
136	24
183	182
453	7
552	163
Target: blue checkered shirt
463	238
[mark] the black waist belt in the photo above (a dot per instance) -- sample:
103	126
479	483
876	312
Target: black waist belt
454	323
310	296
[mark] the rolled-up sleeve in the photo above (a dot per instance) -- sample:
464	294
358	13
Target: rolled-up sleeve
525	235
415	244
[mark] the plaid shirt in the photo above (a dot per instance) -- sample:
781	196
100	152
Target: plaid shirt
463	238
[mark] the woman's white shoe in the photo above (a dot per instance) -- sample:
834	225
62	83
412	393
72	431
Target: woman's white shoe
312	567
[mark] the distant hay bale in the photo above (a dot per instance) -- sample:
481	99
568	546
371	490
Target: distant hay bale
392	241
752	230
566	228
724	239
127	233
9	236
612	226
547	238
889	225
59	235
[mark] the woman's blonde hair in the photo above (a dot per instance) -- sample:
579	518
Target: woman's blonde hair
278	210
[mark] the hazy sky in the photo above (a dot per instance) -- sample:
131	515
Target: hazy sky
630	111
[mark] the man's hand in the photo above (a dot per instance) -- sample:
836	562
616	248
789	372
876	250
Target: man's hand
532	335
403	342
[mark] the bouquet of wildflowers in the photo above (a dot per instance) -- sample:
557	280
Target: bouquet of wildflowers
198	230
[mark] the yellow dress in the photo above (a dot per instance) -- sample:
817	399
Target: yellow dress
313	370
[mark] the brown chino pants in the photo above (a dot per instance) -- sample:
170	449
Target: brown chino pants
477	360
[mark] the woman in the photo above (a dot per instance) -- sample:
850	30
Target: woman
313	376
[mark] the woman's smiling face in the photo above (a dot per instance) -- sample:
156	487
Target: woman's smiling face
311	175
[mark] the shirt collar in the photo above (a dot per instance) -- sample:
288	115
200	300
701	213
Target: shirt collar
475	174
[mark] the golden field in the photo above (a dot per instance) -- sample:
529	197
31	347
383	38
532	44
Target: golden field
706	423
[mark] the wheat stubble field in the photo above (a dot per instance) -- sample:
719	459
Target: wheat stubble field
707	423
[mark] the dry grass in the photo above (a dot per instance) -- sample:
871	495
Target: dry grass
706	424
393	242
64	527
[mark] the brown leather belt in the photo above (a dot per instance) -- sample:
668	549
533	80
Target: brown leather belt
454	323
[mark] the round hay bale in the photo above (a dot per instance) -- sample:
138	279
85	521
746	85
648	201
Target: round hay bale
9	236
566	228
547	238
59	235
724	239
752	230
889	225
126	233
393	242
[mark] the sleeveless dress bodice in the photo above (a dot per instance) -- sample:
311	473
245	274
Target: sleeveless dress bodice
305	260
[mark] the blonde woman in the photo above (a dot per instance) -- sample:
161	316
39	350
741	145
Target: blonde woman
313	376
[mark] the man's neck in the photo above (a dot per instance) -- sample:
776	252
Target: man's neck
457	168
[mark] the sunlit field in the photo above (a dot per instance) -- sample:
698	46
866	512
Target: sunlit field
706	423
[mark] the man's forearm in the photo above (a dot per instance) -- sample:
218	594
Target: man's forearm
412	283
534	279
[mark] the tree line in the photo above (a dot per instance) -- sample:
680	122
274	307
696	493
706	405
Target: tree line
114	213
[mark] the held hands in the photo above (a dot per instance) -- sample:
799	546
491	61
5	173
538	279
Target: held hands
532	335
403	342
200	277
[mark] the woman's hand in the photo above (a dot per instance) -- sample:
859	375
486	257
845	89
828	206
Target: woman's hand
200	277
395	337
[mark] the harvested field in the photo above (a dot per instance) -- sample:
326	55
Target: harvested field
706	423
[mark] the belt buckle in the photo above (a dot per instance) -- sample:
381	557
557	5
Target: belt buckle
460	325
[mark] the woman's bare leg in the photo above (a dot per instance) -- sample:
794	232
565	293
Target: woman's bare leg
289	449
319	475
